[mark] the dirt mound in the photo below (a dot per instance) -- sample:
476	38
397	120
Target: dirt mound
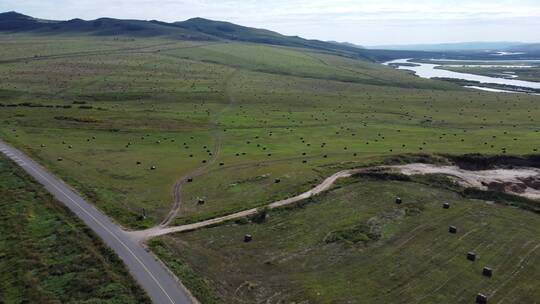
522	181
483	162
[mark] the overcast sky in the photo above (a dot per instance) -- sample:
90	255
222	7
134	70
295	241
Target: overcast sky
365	22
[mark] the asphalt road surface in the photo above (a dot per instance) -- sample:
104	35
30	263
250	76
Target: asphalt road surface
159	284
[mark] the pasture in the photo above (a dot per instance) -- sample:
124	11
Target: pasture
354	244
123	120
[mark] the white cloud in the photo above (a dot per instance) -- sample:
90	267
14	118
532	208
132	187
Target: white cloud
360	21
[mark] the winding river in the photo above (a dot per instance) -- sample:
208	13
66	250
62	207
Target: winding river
429	70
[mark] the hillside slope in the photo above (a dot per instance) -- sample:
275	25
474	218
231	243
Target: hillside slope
192	29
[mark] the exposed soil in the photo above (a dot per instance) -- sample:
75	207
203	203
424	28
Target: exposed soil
482	162
521	181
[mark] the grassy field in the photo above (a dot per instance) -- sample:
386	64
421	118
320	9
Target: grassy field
355	245
123	119
49	256
246	113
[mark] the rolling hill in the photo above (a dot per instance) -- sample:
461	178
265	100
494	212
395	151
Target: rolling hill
192	29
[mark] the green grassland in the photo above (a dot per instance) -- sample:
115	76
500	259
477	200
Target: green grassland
246	113
353	244
49	256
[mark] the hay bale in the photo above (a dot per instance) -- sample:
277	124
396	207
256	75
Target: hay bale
471	256
481	299
452	229
248	238
200	201
277	181
153	168
487	272
399	200
190	180
446	206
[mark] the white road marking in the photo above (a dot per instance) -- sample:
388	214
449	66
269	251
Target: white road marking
52	183
106	229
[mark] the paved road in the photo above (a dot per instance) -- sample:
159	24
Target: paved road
160	285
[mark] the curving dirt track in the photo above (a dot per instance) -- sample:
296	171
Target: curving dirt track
218	143
519	178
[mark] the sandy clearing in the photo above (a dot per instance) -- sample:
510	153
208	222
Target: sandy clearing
483	179
479	179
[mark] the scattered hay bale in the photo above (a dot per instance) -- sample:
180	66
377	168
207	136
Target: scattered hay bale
487	272
452	229
153	168
399	200
190	180
277	181
481	299
200	201
471	256
446	206
248	238
60	159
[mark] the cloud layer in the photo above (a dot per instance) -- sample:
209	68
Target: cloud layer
365	22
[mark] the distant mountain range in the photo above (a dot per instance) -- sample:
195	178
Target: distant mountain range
526	48
445	47
199	29
192	29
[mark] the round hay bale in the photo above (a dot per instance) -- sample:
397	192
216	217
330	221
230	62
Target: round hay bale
481	299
